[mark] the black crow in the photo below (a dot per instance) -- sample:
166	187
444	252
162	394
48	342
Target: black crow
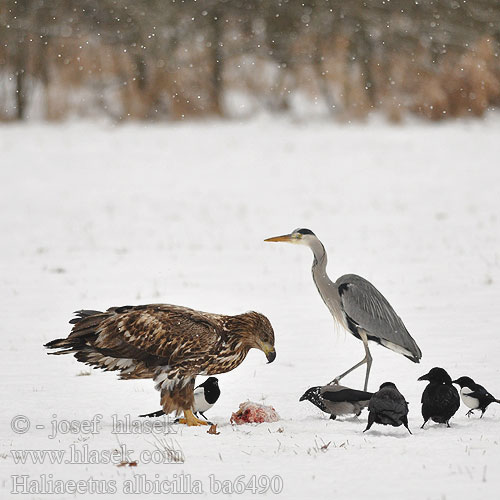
475	396
205	396
388	407
337	400
440	400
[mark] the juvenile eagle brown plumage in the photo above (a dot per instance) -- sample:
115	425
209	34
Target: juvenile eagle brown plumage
170	344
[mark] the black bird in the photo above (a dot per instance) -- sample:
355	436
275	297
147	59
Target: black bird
337	399
440	400
205	396
388	407
475	396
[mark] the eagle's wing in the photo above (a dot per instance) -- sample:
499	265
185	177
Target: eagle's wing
170	344
159	333
367	308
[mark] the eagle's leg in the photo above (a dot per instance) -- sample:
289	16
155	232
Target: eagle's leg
190	420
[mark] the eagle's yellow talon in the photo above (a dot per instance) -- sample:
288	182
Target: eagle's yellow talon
190	419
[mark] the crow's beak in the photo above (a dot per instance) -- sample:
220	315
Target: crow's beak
424	377
303	397
455	382
286	237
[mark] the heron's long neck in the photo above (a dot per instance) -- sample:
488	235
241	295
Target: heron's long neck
320	259
323	283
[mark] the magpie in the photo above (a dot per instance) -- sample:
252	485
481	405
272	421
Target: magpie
337	399
475	396
440	399
205	396
388	407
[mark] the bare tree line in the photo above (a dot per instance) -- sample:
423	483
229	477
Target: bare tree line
170	59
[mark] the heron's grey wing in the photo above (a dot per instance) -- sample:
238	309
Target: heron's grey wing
368	309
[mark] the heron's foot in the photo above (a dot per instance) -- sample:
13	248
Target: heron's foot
190	420
469	413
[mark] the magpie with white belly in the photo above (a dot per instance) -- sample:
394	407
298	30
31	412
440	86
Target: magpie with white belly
205	396
388	407
337	400
440	400
474	396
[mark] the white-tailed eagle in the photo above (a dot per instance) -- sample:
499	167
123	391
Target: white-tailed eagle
170	344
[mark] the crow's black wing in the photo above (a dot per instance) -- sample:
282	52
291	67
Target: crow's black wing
440	400
346	395
389	406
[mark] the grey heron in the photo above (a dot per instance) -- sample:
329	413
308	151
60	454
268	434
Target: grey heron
356	305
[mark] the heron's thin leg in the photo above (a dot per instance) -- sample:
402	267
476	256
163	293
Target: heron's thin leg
340	377
367	359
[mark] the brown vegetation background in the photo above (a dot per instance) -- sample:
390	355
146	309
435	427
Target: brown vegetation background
174	59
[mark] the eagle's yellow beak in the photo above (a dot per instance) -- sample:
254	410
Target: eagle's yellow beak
286	237
269	351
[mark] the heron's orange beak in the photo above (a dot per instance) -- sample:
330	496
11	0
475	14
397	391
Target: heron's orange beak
285	237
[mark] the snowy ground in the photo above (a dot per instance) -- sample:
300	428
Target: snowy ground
95	216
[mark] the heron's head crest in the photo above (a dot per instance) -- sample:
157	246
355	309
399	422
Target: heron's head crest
303	231
299	235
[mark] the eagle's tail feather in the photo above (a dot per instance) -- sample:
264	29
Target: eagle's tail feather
86	325
84	313
81	343
67	345
87	322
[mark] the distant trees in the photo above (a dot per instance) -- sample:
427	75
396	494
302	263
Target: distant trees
170	59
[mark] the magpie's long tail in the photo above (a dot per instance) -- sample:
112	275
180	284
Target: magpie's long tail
158	413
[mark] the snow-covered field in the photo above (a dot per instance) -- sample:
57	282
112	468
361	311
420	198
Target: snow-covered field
95	216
